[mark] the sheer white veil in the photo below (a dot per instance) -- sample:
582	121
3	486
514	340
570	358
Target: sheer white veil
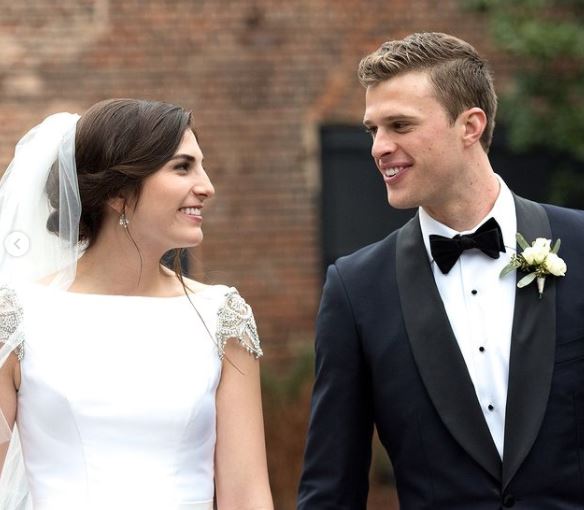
39	187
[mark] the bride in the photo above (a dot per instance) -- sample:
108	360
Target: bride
123	384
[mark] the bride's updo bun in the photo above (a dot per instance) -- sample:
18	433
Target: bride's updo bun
118	143
52	187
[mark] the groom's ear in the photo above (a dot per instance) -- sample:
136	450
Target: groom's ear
473	122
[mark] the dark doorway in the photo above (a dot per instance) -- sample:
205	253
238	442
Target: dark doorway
355	211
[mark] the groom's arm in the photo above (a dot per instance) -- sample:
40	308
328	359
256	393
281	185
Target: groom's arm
338	448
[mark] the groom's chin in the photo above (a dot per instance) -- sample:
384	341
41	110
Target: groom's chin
400	202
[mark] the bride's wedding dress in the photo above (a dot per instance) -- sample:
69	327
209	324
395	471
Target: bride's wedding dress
116	408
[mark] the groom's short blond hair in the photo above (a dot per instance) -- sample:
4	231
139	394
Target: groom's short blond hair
461	78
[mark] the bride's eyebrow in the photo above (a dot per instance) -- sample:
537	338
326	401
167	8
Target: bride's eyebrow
188	157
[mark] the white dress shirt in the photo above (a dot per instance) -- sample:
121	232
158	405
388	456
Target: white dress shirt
479	305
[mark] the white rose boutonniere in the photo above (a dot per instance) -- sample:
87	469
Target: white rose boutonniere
538	260
537	253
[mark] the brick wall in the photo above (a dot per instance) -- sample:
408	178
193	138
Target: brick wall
260	76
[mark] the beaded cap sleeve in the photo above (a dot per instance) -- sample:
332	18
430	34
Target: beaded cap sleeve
235	320
11	316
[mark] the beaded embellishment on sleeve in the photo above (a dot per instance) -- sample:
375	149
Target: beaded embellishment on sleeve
235	320
11	316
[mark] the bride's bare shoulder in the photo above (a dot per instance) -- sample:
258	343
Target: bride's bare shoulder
195	286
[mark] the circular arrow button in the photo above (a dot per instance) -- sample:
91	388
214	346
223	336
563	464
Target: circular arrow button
16	244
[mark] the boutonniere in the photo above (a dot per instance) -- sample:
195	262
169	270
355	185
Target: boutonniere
538	260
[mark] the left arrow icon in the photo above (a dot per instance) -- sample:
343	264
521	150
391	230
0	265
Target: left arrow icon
16	244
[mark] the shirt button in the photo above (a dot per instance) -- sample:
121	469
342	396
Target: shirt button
490	407
481	348
474	291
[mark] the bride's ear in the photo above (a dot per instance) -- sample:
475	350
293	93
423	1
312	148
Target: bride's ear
117	204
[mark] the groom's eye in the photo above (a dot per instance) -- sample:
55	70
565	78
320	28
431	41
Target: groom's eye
370	131
401	126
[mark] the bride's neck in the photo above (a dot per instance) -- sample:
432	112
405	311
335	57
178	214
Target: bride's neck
115	266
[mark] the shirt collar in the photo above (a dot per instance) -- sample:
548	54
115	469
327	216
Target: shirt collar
503	211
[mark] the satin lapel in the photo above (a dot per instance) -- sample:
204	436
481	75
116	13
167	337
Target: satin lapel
533	341
436	351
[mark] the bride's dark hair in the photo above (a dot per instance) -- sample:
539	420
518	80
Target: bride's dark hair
118	144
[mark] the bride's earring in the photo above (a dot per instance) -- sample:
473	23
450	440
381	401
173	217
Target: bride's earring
124	220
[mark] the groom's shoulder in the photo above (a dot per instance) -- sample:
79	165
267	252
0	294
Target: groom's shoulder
566	223
565	215
568	226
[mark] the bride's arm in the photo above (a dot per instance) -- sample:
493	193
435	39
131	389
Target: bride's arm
9	380
241	473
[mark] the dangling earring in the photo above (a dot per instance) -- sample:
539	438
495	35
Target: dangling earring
123	219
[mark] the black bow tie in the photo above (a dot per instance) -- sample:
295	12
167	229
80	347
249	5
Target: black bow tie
487	238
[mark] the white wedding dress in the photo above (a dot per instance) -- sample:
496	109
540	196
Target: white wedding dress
116	408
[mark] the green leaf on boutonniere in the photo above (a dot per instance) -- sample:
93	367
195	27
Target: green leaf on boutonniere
507	269
521	241
556	246
526	280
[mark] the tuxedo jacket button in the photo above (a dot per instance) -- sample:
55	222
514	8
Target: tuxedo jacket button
508	501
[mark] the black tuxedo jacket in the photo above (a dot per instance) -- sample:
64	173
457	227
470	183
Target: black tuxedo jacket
386	355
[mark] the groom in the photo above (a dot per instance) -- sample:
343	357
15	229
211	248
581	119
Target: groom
475	386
